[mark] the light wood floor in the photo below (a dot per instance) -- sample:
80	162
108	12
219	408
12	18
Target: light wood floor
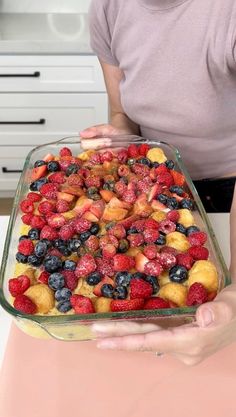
5	206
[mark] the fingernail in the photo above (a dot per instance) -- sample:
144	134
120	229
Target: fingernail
206	317
106	344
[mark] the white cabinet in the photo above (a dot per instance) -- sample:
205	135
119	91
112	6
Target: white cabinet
42	99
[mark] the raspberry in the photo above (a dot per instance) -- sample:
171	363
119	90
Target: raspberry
167	260
43	277
129	197
65	152
167	226
123	262
161	169
56	221
26	247
49	233
93	181
26	218
58	178
74	298
106	156
139	225
135	240
153	268
122	156
185	259
154	303
165	179
140	169
198	253
27	206
24	304
118	231
197	294
71	279
173	216
83	305
150	235
46	207
34	197
140	288
144	185
133	151
108	251
120	188
66	232
127	305
82	225
55	252
38	222
49	191
143	149
18	285
75	180
197	238
150	251
62	206
105	267
95	159
106	239
168	249
85	266
92	243
64	164
151	224
123	171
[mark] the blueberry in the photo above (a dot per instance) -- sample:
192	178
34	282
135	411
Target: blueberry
94	278
123	245
63	294
155	164
91	191
36	185
39	163
131	161
48	242
144	161
53	166
161	240
187	204
120	293
74	244
84	236
139	275
162	198
69	265
23	237
52	263
34	234
123	278
65	251
56	281
178	273
180	228
107	290
110	225
97	253
176	189
72	169
40	249
192	229
34	260
109	185
154	282
58	242
94	229
172	203
132	230
64	306
21	258
169	164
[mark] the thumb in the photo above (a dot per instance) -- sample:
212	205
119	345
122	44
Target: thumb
220	311
90	132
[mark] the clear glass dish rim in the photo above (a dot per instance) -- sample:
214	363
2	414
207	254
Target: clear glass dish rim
133	314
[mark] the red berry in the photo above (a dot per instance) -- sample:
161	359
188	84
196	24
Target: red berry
85	266
185	259
153	268
135	240
24	304
198	253
118	231
165	179
56	220
71	280
140	169
74	298
168	249
27	206
66	232
38	222
154	303
105	267
43	277
197	294
62	206
123	262
26	247
143	149
173	216
26	218
150	251
127	305
120	188
92	243
166	226
108	251
122	156
34	197
95	159
46	207
150	235
82	225
83	305
106	156
139	225
57	177
144	186
179	178
197	238
65	152
133	151
140	288
49	191
75	180
129	197
49	233
151	224
161	169
123	171
93	181
18	285
167	260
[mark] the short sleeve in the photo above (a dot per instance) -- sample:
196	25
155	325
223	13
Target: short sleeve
100	33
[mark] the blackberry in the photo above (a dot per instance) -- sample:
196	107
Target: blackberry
40	249
107	290
169	164
180	228
53	166
69	265
123	278
178	273
23	259
154	282
72	169
162	198
187	204
34	234
120	293
64	306
63	294
94	229
192	229
176	189
94	278
52	263
34	260
56	281
39	163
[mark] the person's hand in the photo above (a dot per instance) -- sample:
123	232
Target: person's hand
100	135
214	328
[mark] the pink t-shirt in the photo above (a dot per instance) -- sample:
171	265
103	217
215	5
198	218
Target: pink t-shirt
179	85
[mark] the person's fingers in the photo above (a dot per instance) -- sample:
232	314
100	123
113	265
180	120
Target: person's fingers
96	143
220	311
99	130
123	328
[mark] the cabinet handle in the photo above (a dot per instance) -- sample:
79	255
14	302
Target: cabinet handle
35	74
39	122
11	171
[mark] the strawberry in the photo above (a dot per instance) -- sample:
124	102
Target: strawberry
83	305
82	225
185	259
165	179
128	221
197	294
18	285
38	172
198	253
197	238
65	152
161	169
140	288
140	262
143	149
85	266
150	251
71	279
166	226
123	262
57	177
153	268
154	192
178	178
46	207
26	247
43	277
49	191
24	304
27	206
135	240
127	305
133	151
155	303
34	197
173	216
49	233
150	235
66	232
97	288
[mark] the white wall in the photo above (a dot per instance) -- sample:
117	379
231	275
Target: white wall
43	6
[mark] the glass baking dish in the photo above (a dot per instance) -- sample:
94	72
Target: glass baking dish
75	326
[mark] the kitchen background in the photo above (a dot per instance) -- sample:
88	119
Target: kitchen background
51	84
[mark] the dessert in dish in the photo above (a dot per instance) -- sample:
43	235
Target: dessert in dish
109	231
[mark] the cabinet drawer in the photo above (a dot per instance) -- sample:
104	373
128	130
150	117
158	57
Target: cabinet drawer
30	119
51	74
12	160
